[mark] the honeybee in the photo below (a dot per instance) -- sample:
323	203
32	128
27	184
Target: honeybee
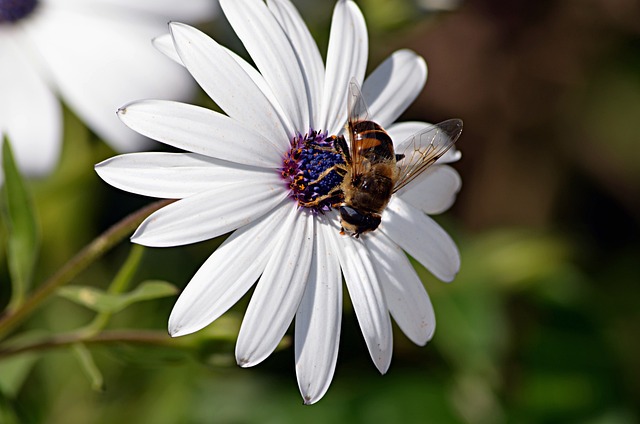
374	171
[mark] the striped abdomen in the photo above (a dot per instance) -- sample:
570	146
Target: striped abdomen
373	143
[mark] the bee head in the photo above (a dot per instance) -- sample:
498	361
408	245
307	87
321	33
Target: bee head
355	222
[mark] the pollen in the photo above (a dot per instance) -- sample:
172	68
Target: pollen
313	170
12	11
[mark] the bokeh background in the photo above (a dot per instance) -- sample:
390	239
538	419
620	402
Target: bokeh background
542	325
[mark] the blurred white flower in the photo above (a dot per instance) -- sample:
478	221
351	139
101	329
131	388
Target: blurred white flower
95	55
234	178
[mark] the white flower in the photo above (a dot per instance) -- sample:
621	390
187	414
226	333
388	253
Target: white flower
95	55
233	180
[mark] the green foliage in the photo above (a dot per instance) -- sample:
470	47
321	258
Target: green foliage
100	301
23	235
88	365
14	371
7	413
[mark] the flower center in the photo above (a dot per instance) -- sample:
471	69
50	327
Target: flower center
13	10
313	170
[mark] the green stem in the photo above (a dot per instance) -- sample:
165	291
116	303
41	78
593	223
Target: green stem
124	277
146	337
119	285
77	264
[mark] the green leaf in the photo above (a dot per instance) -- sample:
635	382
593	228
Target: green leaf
89	366
100	301
23	237
7	412
14	371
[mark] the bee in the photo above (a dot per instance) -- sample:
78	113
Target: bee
374	171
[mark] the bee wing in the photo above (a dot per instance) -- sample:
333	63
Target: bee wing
424	149
357	108
358	113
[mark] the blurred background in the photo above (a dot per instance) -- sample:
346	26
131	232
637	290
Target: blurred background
542	324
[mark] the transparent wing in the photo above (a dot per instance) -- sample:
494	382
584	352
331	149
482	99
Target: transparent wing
357	122
424	149
357	108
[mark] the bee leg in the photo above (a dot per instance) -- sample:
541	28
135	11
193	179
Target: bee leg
335	193
314	202
399	157
341	146
337	168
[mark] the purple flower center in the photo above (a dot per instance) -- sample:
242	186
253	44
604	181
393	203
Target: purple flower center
13	10
310	170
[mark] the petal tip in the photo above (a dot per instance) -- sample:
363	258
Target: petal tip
448	278
309	397
135	237
383	363
98	166
177	330
243	362
139	237
425	338
173	26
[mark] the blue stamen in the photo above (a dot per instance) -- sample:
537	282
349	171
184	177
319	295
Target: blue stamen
13	10
305	169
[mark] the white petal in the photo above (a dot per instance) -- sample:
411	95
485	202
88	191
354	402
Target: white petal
224	80
406	297
209	214
29	112
434	191
163	10
273	55
227	275
346	58
394	85
99	61
422	238
279	291
199	130
259	80
187	10
305	49
174	175
366	296
401	133
317	327
164	44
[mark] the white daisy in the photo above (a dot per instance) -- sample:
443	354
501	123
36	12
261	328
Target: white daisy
94	54
233	180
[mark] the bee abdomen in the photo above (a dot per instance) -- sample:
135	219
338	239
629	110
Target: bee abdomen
374	142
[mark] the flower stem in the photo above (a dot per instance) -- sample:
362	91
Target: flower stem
119	285
147	337
77	264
